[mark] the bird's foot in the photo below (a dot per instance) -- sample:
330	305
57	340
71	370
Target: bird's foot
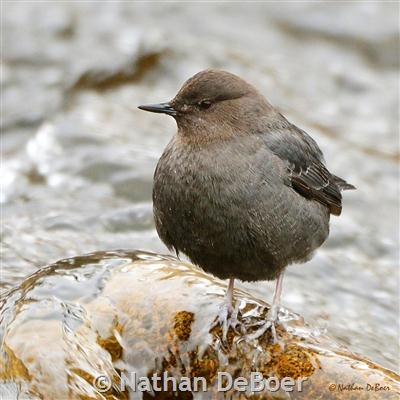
227	318
270	323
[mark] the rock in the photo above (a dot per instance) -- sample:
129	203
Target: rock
79	328
130	71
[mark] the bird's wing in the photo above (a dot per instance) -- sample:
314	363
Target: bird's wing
307	172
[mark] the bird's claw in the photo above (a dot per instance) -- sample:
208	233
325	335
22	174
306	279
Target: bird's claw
227	318
269	323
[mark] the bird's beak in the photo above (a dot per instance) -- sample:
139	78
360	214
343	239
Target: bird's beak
163	108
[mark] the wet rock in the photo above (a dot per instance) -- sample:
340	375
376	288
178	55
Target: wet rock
129	72
79	327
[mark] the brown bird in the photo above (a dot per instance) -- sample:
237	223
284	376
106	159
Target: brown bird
239	189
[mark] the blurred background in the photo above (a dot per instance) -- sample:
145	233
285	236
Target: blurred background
78	156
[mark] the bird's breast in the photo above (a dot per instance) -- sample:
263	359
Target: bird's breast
219	176
234	198
205	193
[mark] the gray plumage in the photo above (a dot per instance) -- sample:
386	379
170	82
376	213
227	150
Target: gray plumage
239	189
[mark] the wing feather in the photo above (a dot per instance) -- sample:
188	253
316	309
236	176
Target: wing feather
307	172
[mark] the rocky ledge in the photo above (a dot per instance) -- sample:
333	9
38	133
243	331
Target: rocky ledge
119	325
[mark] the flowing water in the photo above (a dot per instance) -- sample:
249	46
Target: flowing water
78	157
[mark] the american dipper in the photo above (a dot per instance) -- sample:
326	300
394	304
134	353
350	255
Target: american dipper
239	189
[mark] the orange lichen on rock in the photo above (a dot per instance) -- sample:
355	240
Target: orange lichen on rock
294	362
206	366
183	324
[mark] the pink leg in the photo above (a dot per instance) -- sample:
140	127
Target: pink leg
229	295
272	315
278	291
226	317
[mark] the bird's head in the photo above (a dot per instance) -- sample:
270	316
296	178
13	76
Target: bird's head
214	104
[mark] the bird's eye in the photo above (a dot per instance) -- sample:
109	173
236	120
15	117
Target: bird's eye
204	104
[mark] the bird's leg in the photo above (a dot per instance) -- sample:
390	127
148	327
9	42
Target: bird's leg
229	296
272	315
226	316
